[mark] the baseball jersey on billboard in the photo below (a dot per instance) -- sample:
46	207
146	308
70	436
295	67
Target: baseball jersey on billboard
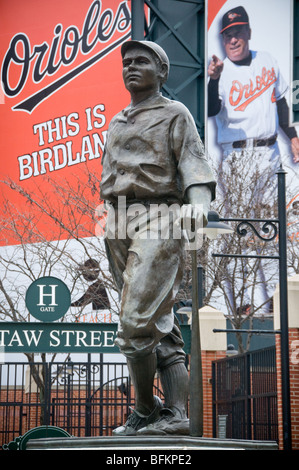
248	95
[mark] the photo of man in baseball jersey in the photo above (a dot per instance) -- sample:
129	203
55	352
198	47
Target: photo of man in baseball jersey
248	127
247	97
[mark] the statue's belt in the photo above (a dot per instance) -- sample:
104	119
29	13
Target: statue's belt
145	202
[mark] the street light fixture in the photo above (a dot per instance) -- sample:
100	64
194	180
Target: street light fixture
231	351
186	310
216	227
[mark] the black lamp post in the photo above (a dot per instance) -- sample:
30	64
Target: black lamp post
279	228
213	228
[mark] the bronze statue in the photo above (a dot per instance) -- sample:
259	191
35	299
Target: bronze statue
153	155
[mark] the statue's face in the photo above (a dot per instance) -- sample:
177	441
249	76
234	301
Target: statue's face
141	72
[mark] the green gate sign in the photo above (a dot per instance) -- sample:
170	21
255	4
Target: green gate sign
35	337
48	299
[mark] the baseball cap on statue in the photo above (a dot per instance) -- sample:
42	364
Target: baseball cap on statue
152	46
234	17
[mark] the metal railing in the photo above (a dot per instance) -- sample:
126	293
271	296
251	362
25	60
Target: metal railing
85	399
245	396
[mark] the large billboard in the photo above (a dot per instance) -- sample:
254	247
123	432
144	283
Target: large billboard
61	84
255	97
250	135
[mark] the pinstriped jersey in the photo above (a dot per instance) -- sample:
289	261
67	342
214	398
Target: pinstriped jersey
248	95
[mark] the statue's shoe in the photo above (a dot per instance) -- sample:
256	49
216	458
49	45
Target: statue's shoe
138	421
168	423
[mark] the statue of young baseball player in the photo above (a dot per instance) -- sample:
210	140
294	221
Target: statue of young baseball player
153	155
246	93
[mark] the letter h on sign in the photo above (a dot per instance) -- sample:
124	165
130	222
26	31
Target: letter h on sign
52	294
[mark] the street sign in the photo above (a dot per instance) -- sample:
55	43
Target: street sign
35	337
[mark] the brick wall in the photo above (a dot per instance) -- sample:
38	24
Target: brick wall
207	358
294	387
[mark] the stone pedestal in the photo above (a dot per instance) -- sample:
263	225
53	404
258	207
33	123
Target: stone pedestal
152	444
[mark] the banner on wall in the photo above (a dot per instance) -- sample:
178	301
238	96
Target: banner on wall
61	84
253	113
249	128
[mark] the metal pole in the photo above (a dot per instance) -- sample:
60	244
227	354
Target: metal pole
248	396
137	7
196	389
47	393
283	297
200	279
101	395
88	398
214	395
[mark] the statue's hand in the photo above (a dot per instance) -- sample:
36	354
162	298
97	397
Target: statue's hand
199	197
194	214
